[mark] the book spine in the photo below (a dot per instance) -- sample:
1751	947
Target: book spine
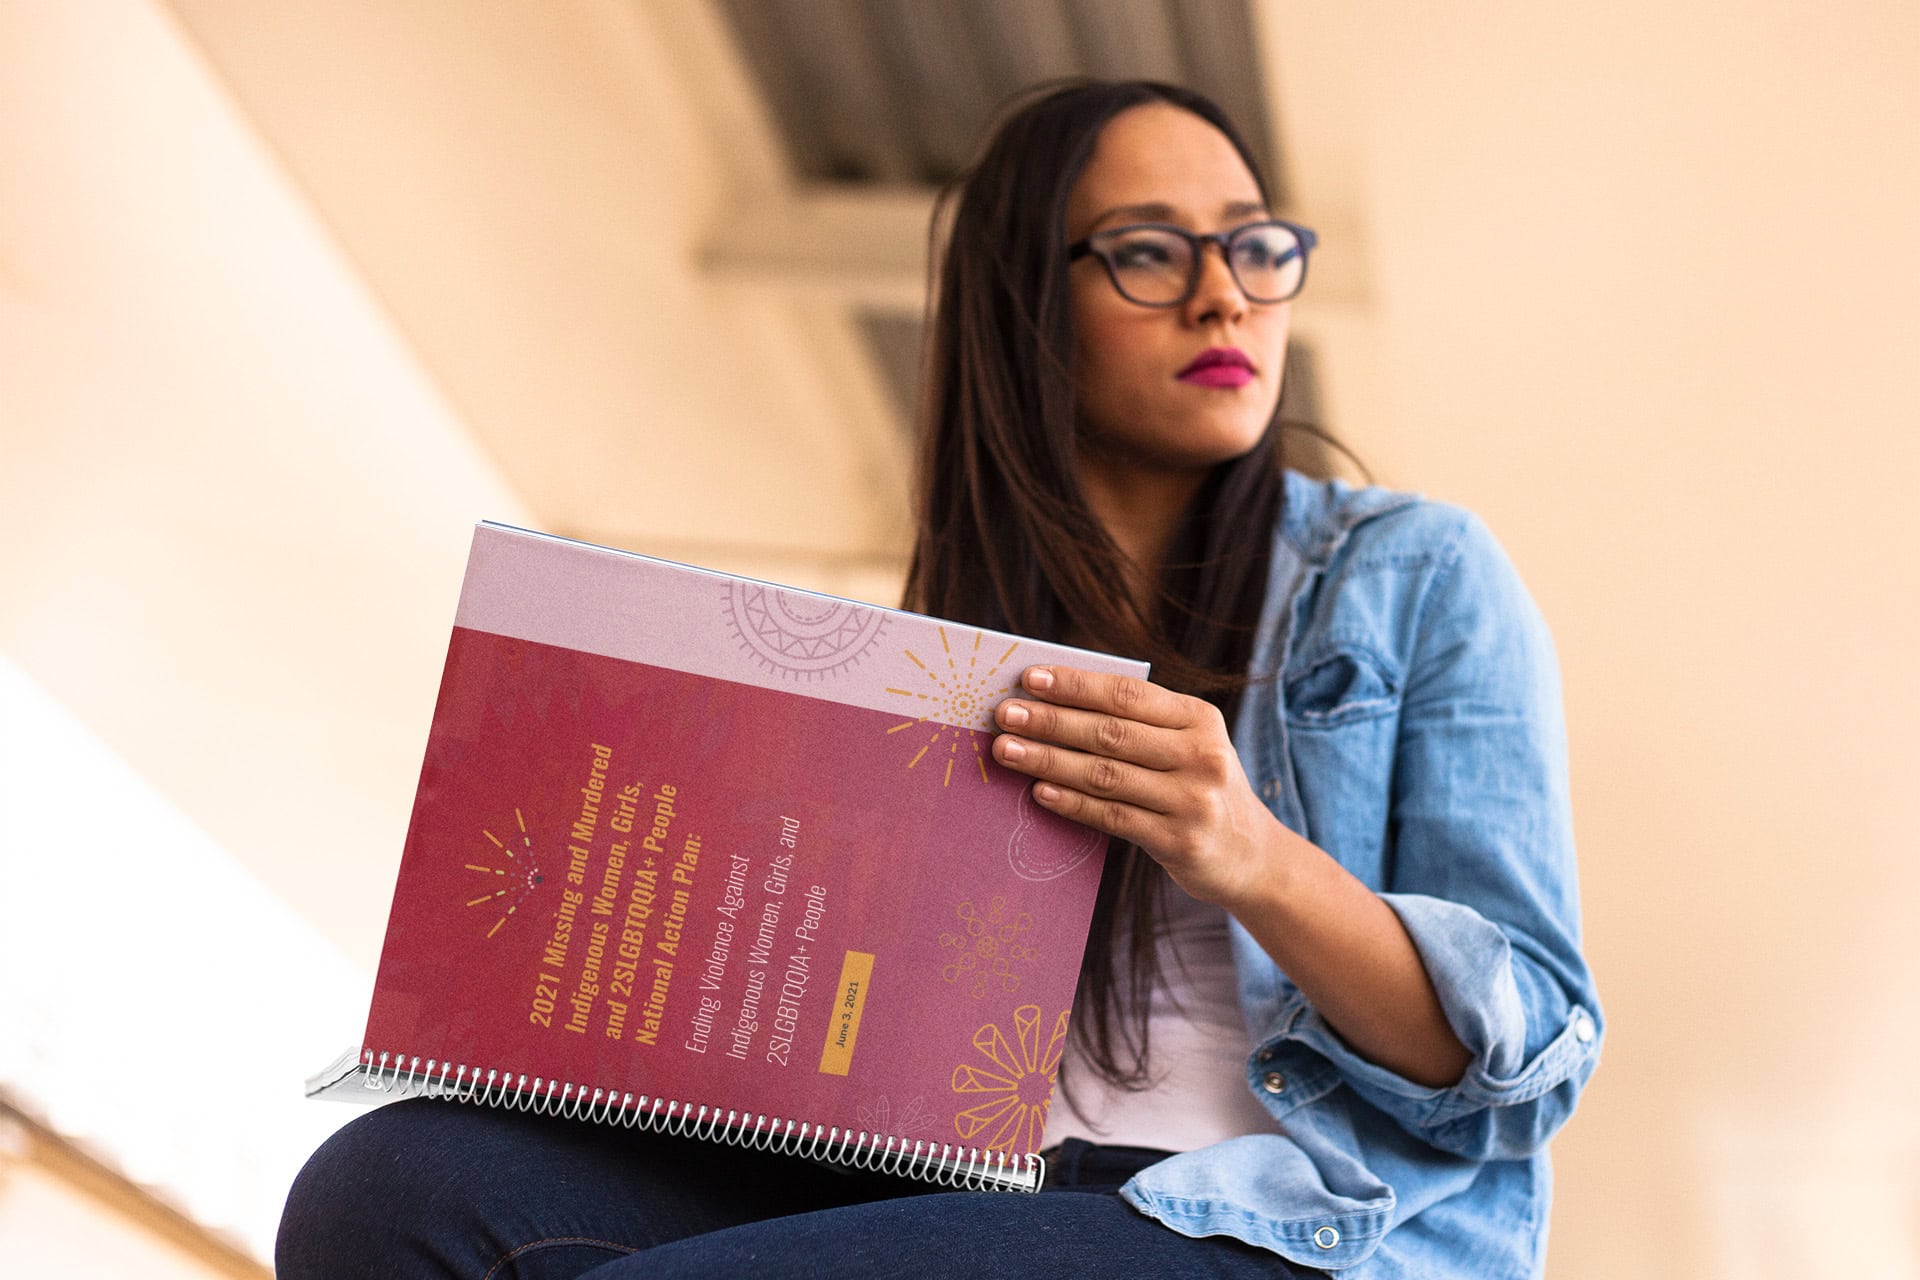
964	1168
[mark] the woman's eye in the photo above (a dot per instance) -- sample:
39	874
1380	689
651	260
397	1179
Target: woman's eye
1143	254
1265	252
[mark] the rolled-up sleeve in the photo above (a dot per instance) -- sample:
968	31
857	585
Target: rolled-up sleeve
1482	869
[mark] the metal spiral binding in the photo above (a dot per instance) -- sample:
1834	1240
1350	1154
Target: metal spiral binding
966	1168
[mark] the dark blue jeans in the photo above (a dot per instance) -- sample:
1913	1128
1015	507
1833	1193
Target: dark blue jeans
451	1190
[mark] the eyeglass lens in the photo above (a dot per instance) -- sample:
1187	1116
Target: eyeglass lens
1155	265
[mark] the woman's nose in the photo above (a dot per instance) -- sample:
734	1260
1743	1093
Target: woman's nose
1216	294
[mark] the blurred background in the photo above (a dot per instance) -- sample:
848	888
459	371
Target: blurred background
291	294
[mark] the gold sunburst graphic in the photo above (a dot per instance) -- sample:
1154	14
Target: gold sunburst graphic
963	693
520	873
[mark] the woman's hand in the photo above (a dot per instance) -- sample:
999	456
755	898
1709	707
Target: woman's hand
1155	767
1144	763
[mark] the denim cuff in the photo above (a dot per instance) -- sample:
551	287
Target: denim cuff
1471	964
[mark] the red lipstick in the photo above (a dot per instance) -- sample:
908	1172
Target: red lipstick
1218	367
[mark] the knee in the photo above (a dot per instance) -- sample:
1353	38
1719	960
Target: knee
354	1209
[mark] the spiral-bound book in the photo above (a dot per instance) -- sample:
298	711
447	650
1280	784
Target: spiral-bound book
698	853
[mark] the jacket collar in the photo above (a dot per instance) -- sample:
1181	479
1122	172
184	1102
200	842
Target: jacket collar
1317	515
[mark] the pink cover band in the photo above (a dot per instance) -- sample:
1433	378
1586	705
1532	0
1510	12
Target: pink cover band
623	605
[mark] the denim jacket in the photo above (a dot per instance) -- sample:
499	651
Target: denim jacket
1415	735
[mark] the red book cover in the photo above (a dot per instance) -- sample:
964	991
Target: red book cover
697	852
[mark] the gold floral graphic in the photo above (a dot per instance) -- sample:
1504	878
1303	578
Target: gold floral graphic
989	947
1017	1085
960	694
517	877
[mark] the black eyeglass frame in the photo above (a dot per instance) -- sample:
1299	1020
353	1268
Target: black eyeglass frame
1199	241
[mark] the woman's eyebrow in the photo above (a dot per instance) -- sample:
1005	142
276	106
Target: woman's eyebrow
1159	212
1136	213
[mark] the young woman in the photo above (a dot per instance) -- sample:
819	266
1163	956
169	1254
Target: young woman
1334	1006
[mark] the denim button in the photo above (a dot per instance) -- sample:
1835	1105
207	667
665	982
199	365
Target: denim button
1326	1237
1273	1082
1583	1027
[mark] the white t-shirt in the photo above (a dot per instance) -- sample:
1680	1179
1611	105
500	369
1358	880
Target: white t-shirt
1197	1048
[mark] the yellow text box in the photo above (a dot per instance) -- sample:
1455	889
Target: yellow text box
843	1027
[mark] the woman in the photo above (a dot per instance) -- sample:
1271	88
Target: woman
1334	1006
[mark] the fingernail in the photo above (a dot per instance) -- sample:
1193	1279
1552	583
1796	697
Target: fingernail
1013	749
1015	715
1040	678
1046	791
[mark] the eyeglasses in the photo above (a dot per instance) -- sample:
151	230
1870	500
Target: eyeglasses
1159	266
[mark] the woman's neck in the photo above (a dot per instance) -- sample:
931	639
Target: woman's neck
1140	508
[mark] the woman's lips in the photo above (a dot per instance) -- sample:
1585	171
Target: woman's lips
1219	375
1218	367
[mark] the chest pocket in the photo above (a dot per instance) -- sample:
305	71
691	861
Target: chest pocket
1341	685
1343	716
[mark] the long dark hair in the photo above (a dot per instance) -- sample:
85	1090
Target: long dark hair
1006	538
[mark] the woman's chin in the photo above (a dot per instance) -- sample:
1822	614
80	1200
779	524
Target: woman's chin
1185	462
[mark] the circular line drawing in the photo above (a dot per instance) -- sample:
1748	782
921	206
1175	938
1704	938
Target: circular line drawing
805	636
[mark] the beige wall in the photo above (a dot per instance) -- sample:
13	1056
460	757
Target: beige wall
1646	278
233	501
1635	281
